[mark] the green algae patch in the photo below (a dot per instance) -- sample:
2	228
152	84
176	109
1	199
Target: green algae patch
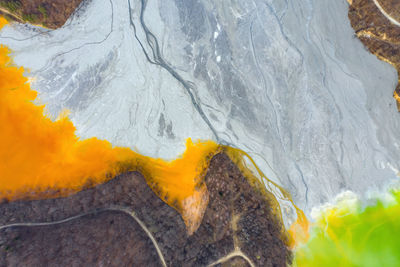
347	234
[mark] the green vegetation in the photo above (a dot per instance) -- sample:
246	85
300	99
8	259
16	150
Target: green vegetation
348	235
43	11
32	18
12	6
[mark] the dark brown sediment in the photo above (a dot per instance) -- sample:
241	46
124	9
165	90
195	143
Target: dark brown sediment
122	222
375	24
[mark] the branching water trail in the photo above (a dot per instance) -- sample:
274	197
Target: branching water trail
157	59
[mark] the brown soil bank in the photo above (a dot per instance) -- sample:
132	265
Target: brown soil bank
374	22
123	223
49	13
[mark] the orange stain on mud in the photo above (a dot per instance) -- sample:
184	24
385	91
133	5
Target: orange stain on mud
180	182
299	231
44	158
3	22
40	157
37	153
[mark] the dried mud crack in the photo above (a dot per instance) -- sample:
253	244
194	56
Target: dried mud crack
122	222
377	25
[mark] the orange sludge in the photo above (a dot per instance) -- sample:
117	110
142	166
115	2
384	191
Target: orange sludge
3	22
37	153
39	156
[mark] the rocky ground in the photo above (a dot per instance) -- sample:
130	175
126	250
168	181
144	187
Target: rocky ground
377	25
123	222
48	13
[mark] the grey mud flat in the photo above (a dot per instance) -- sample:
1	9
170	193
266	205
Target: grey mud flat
286	81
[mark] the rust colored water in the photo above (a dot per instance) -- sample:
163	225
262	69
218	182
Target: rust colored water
39	157
44	158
